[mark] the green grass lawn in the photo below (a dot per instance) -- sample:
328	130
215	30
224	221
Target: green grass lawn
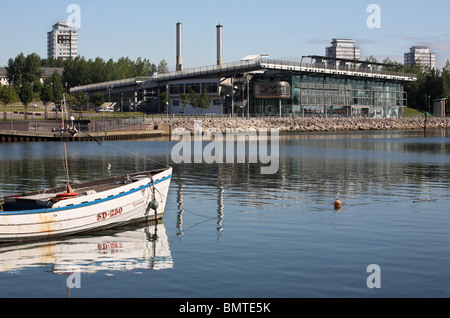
411	112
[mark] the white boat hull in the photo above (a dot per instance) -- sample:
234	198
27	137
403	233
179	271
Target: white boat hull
124	204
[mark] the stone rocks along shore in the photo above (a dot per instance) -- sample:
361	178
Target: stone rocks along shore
309	124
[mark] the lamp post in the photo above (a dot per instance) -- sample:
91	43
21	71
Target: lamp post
232	96
32	112
248	98
11	84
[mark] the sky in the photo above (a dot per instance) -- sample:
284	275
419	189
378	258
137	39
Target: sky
284	29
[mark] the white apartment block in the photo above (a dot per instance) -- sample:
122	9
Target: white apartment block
62	41
420	55
342	49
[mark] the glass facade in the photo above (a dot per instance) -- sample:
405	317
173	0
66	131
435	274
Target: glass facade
329	96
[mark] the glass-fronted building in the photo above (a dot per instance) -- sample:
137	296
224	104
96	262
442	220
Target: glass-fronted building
263	87
306	95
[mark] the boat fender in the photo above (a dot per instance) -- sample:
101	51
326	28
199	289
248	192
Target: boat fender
154	204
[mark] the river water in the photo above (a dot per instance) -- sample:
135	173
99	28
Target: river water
229	231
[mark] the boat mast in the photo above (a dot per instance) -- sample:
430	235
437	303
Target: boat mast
63	131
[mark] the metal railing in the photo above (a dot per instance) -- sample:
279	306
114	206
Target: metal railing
52	126
248	66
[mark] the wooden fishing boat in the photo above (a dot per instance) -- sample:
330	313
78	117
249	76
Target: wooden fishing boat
89	206
84	207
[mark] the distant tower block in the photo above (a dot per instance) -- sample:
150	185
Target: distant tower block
219	44
179	47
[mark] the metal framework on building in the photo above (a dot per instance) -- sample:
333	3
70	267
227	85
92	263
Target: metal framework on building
313	88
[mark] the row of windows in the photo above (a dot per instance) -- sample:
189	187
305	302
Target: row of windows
316	90
176	89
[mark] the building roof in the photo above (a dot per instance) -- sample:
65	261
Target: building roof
247	66
48	71
63	24
253	57
315	57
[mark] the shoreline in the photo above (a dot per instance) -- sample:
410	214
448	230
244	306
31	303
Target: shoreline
164	128
291	125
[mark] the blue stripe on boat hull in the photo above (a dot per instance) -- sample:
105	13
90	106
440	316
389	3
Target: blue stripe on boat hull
83	204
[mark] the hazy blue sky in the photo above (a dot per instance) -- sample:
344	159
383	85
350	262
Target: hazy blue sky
283	29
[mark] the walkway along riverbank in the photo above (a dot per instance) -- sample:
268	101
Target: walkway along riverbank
164	127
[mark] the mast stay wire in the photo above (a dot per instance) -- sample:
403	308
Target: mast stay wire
163	164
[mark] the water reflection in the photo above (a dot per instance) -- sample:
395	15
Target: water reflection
313	169
317	169
128	248
394	189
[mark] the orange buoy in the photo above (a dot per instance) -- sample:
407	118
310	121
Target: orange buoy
337	204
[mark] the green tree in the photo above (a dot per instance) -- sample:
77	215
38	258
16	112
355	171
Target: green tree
446	85
429	85
32	72
204	100
193	99
143	67
184	101
77	71
5	95
98	99
57	88
392	66
15	69
165	100
26	96
46	95
162	67
80	99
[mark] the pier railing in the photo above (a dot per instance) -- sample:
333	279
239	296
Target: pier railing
98	125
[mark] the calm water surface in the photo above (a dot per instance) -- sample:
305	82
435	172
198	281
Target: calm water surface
229	231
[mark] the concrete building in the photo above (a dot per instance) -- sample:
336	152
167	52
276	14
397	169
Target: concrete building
421	55
342	49
62	41
258	86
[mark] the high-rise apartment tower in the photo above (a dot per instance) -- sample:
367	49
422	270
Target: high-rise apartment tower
342	49
420	55
62	41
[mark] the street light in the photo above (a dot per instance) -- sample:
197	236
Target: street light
26	108
11	84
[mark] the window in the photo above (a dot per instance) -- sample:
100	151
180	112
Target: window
194	87
176	89
211	87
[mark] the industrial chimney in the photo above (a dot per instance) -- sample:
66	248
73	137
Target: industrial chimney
219	44
179	47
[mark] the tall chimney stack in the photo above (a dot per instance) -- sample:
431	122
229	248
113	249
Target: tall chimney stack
179	47
219	44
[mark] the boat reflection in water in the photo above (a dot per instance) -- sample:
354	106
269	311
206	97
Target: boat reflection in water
143	246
